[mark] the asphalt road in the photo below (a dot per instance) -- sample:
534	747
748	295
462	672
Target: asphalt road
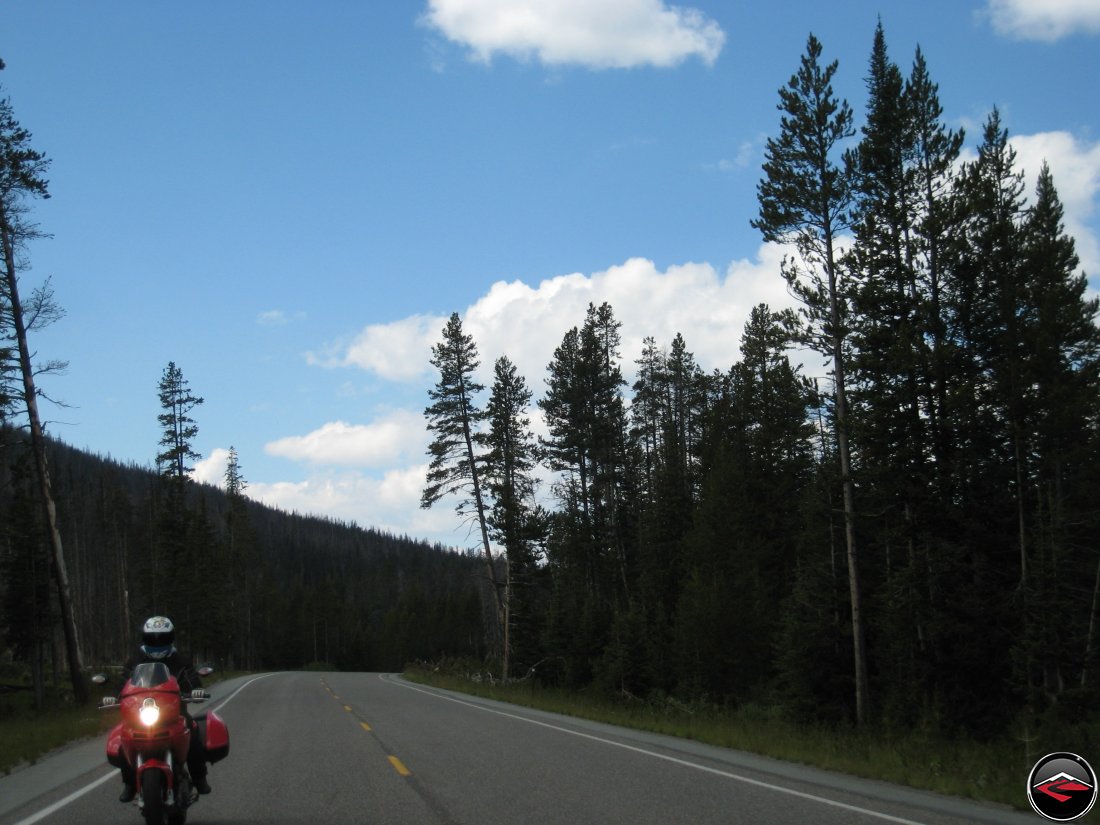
372	748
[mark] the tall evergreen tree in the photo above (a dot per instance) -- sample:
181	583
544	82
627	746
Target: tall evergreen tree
1062	373
586	418
515	520
746	528
666	414
234	480
989	306
178	429
893	404
241	565
180	541
593	538
935	157
805	198
455	467
612	481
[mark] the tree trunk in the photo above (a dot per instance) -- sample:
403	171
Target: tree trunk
1092	626
859	645
38	446
479	504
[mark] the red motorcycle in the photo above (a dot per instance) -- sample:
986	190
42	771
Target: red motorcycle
154	738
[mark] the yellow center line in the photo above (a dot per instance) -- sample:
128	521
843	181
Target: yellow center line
399	767
347	708
366	727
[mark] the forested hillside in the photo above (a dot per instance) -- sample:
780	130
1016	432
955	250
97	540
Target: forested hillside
248	586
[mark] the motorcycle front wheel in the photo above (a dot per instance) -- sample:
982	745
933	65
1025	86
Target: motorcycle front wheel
177	814
152	796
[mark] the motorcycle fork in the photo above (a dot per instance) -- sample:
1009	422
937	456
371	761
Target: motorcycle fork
167	767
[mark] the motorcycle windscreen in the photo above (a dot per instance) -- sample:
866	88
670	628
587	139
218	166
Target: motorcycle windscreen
150	675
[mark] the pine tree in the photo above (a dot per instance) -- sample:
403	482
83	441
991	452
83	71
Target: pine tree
805	198
666	415
932	165
242	568
179	540
515	520
592	546
612	481
456	468
745	530
979	575
234	480
893	401
887	324
178	428
988	302
1063	373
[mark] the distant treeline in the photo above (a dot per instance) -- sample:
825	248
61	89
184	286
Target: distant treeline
248	586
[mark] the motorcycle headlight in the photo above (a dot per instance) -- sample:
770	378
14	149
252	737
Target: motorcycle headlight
149	713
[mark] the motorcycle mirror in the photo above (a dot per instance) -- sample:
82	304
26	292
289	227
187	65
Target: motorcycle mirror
99	679
205	670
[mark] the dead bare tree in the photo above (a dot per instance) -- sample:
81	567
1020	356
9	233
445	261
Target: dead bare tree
22	176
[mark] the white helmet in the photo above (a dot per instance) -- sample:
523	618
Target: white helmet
158	633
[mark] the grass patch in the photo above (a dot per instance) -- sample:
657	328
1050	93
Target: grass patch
26	734
990	772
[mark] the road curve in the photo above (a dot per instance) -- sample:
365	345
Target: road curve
373	748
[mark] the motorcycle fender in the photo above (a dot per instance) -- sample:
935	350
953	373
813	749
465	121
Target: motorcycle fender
157	765
217	738
114	747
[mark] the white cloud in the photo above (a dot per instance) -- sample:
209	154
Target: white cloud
390	503
389	439
1046	20
397	351
595	33
211	470
277	318
527	323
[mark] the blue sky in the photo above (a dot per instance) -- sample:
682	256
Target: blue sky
288	199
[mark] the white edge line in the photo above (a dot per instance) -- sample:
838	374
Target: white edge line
238	690
665	757
61	803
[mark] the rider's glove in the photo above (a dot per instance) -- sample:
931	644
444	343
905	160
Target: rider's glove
199	694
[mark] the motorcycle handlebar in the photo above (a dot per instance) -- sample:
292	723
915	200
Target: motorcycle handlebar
197	695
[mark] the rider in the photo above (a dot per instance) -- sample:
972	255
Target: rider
157	635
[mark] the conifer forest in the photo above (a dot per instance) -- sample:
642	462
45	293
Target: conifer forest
910	540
